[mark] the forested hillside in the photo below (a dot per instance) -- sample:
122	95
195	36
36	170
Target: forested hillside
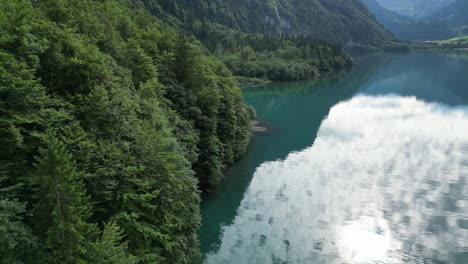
251	51
345	22
271	57
108	121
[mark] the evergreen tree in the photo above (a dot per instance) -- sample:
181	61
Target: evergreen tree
183	59
110	249
24	107
62	207
17	241
139	110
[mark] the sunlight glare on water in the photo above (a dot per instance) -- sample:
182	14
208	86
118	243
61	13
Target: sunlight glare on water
384	182
361	244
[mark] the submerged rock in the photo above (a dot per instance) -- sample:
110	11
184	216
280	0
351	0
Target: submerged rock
257	128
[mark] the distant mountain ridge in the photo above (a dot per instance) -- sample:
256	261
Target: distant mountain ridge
455	15
407	28
341	21
414	8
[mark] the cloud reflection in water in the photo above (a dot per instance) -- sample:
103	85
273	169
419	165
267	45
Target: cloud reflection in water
384	182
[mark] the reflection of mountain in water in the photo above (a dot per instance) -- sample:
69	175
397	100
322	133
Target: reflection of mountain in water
384	182
436	77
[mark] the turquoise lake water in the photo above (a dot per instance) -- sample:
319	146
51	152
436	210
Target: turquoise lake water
364	166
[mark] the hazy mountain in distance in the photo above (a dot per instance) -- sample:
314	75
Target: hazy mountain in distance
455	15
407	28
414	8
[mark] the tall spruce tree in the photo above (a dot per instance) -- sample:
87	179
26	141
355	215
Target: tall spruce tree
62	207
17	241
109	249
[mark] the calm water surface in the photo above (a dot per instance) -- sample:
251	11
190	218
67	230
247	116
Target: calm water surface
368	166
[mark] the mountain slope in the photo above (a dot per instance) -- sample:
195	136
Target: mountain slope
339	21
414	8
252	57
455	15
408	28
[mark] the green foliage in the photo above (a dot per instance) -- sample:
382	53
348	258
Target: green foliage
17	240
338	21
62	207
278	57
124	117
110	249
453	43
24	107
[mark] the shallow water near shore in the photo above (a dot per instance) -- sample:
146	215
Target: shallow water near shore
366	166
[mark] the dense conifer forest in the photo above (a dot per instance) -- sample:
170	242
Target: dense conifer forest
109	119
272	57
346	22
253	50
113	120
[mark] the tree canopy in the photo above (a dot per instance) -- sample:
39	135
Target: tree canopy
111	122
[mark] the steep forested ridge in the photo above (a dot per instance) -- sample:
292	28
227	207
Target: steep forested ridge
249	49
339	21
107	119
278	58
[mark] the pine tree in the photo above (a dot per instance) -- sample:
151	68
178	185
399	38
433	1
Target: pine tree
62	208
183	59
17	241
110	249
24	107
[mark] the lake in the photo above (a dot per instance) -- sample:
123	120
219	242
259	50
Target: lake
364	166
